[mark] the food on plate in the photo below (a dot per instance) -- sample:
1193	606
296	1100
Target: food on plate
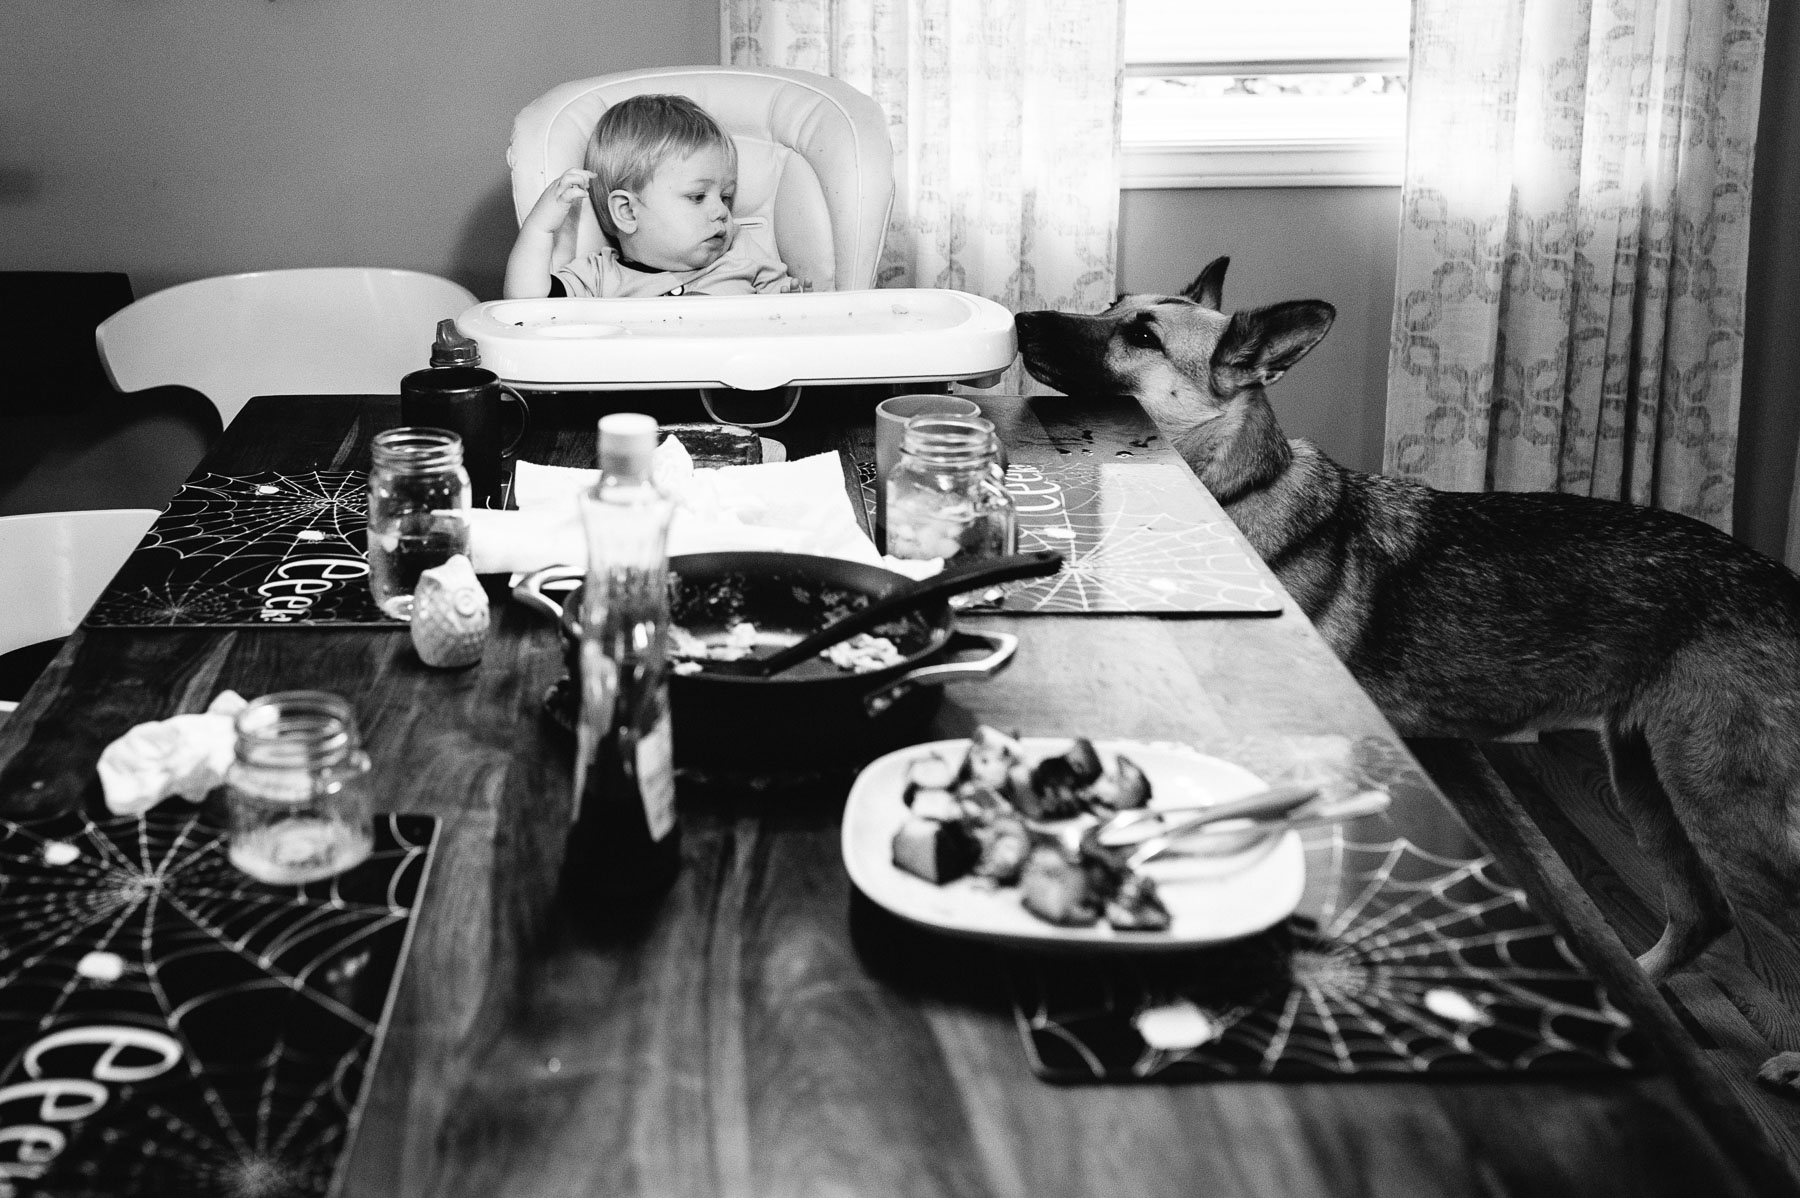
1135	905
1015	815
928	792
1057	890
1005	843
991	753
1125	787
935	850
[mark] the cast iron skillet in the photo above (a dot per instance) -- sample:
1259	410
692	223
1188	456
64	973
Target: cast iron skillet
813	713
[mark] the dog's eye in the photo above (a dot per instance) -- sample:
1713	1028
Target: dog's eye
1141	335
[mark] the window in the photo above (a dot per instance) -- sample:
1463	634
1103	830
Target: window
1265	93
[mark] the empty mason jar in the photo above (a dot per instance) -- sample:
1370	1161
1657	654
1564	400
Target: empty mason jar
946	497
416	485
297	790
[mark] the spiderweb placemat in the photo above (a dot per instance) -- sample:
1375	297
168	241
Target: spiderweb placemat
1401	962
187	1029
1136	537
267	549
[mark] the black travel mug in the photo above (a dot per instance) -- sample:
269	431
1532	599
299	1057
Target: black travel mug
456	393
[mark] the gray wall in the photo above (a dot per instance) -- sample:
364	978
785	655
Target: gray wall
1337	244
173	139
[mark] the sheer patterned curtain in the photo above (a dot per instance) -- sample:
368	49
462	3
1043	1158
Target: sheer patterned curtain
1573	245
1005	120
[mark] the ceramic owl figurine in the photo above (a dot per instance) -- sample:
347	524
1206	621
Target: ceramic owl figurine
450	615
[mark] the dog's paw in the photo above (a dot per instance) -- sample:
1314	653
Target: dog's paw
1781	1072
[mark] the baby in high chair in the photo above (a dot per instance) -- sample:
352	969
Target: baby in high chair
662	176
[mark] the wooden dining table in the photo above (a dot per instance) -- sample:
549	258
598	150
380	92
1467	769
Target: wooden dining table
768	1030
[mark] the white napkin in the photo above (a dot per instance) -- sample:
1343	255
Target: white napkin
184	755
787	507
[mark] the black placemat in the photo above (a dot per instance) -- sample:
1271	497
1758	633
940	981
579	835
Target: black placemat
262	550
1401	961
1136	537
230	1053
1433	967
257	551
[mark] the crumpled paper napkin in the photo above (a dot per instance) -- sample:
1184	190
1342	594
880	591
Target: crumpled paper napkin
184	755
786	507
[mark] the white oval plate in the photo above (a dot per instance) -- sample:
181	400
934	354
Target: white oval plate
1210	899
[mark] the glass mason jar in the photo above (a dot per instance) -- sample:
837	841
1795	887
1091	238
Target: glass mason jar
946	496
297	789
416	485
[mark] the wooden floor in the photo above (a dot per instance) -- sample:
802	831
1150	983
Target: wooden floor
1740	1003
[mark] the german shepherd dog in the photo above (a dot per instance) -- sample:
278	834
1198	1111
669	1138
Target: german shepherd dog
1487	615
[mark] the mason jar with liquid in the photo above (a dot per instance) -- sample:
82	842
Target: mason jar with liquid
297	791
417	490
946	497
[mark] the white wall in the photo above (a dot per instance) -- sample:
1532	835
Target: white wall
173	139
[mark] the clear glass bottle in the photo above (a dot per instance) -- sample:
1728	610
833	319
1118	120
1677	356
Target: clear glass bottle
946	497
416	485
297	789
625	842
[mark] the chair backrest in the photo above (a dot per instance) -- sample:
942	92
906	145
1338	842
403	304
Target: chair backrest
814	158
53	565
311	331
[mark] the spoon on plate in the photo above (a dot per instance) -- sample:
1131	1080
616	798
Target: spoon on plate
1308	812
953	579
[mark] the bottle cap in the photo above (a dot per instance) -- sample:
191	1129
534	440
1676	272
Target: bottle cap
452	348
627	439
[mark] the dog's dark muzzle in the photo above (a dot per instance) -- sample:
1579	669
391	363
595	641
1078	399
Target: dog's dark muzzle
1060	349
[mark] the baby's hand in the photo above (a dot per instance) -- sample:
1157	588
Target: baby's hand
564	192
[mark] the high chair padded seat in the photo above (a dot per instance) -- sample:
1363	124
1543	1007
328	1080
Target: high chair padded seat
814	158
311	331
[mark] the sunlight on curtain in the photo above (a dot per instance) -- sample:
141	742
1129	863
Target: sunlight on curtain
1005	120
1573	246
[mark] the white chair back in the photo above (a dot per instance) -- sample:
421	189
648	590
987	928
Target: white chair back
814	158
310	331
53	565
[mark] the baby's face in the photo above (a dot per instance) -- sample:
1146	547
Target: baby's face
684	213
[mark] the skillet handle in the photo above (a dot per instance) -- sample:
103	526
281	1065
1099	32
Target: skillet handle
1001	647
529	590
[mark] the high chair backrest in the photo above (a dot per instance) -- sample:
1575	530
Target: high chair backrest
814	158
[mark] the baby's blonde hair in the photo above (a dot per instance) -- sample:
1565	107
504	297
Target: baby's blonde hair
639	134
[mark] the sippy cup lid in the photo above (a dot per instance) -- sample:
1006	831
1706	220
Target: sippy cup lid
452	348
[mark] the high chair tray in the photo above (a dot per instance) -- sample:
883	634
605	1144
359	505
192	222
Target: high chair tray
750	342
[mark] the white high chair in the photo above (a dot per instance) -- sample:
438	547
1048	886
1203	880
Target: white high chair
308	331
814	158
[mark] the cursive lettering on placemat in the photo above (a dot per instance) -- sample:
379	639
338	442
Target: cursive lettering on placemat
174	1027
263	550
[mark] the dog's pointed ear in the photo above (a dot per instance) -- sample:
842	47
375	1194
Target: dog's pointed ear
1208	287
1259	345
